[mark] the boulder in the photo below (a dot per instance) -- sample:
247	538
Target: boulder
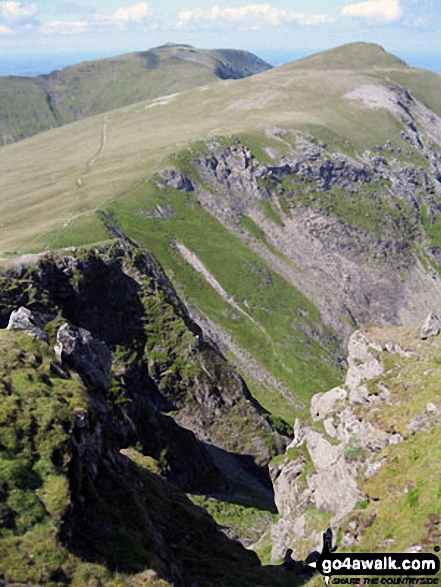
23	319
324	403
431	326
77	348
177	180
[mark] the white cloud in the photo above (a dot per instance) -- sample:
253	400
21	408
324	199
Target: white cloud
16	13
127	15
4	30
251	16
65	27
379	10
123	16
135	13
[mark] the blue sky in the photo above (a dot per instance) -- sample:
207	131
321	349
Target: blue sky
115	26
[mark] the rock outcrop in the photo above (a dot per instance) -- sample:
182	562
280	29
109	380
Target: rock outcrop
431	326
346	225
116	320
76	509
90	357
23	319
331	455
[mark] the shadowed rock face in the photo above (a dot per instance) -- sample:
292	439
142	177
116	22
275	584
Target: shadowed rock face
75	505
138	352
91	358
98	308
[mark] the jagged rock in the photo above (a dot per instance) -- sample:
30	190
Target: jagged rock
284	529
177	180
23	319
88	445
337	464
103	290
413	549
330	428
299	435
394	347
90	357
332	471
362	363
395	438
431	326
367	435
323	403
286	495
373	467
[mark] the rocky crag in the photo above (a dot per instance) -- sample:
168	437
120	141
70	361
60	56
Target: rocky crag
110	393
366	461
353	231
282	241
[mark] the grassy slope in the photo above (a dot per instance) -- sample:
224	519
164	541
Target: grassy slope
281	311
408	485
51	177
40	174
355	56
30	105
23	109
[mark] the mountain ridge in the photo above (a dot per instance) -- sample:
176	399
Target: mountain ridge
285	210
32	105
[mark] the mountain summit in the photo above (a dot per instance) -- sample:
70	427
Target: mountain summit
31	105
353	56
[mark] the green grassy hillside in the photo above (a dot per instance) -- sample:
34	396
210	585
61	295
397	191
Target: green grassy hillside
63	178
30	105
42	173
355	56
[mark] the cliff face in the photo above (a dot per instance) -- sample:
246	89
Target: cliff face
353	231
74	508
365	463
159	356
121	394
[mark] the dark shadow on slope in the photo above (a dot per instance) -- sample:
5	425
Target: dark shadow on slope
130	520
151	60
249	484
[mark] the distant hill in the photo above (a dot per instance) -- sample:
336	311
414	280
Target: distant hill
354	56
31	105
